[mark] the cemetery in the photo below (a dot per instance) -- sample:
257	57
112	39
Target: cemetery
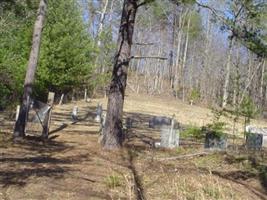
133	99
166	145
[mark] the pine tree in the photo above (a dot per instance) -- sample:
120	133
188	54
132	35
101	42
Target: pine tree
67	50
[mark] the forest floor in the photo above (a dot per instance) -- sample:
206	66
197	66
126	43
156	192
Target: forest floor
71	165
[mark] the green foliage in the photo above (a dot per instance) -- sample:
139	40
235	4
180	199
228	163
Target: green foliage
192	132
248	108
113	181
194	95
251	31
16	21
217	127
66	52
195	29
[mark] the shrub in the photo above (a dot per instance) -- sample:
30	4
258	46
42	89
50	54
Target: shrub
113	181
193	132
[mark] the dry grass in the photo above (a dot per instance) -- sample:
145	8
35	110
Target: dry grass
185	113
73	166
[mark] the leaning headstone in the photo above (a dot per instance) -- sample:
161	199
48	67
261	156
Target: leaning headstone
99	111
256	138
215	141
74	114
61	99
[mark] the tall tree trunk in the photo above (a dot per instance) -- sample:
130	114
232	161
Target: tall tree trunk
262	85
19	130
185	55
171	75
113	133
101	23
228	71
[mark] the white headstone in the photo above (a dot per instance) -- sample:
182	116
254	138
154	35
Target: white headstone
17	112
74	113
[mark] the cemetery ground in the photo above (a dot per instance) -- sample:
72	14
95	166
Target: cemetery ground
72	165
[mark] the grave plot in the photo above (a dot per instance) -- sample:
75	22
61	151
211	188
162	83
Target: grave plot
73	166
39	117
256	138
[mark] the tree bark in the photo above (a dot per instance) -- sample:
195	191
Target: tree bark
228	71
19	130
185	55
262	84
101	23
113	131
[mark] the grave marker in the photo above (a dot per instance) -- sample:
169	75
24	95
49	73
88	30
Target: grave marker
169	135
99	111
74	114
256	138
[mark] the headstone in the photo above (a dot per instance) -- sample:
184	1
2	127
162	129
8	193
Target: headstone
215	141
159	121
169	137
17	112
47	119
102	123
256	138
129	123
85	95
74	114
99	111
50	99
61	99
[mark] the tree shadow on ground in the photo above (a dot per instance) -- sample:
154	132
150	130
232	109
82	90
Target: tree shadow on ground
32	157
87	114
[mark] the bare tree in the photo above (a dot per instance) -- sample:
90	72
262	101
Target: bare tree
113	131
19	130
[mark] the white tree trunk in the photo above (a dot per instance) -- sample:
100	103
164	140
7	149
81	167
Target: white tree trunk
227	77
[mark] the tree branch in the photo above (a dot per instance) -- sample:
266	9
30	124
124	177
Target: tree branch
149	57
141	4
143	43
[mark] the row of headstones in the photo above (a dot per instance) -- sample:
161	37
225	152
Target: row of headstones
256	138
170	131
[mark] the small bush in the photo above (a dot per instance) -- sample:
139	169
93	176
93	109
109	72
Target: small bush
217	128
194	95
113	181
193	132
